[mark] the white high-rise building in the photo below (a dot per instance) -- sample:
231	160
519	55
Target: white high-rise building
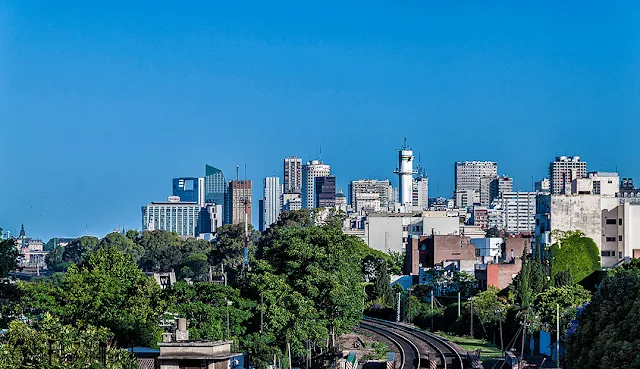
292	174
172	215
405	174
420	193
310	171
468	176
272	201
563	171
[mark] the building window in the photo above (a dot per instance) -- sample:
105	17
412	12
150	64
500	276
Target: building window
611	239
607	253
620	238
620	221
611	221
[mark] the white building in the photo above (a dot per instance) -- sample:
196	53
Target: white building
272	201
597	183
467	180
292	174
563	171
498	186
489	249
291	201
420	193
341	201
310	171
543	185
365	191
172	215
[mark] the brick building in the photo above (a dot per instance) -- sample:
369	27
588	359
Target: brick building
429	251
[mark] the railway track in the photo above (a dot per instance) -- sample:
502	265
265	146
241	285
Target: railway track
409	352
446	356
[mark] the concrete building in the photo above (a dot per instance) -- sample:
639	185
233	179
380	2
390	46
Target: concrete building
392	231
543	185
488	250
325	192
172	215
563	171
498	186
291	201
480	217
361	191
468	176
292	174
500	274
215	188
597	183
239	201
272	201
627	189
341	201
420	193
32	250
261	226
519	212
430	251
310	171
405	174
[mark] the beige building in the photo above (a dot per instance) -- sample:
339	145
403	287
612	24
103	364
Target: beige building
563	171
240	201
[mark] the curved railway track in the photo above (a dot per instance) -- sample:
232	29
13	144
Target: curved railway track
409	352
446	355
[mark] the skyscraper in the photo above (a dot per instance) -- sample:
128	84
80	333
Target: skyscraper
366	189
310	171
172	215
239	196
325	192
420	193
261	215
563	171
467	180
272	201
188	189
498	186
215	187
292	174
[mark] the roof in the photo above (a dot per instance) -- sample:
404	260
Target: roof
209	170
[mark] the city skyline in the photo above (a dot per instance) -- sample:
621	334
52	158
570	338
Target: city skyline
100	118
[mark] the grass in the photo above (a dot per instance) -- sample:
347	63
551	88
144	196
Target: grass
489	350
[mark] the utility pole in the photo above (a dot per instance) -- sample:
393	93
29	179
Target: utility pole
431	310
471	317
500	322
398	309
458	304
558	334
524	333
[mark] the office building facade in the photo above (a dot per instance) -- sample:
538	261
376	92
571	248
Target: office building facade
325	192
367	190
292	174
239	201
272	201
172	216
215	187
498	186
189	189
310	172
563	171
467	180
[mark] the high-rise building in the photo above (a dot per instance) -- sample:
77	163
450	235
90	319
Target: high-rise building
468	176
498	186
310	171
188	189
292	174
209	219
239	202
215	187
516	212
272	201
173	216
261	227
543	185
325	192
563	171
341	201
361	190
405	174
420	193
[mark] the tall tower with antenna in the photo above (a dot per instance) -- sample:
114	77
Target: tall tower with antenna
405	174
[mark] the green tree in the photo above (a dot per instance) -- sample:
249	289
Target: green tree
132	234
108	290
488	307
228	249
397	258
77	249
48	344
530	281
606	332
575	252
9	254
54	260
569	298
563	278
195	267
204	305
122	243
161	251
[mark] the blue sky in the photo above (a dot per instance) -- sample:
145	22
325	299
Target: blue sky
101	105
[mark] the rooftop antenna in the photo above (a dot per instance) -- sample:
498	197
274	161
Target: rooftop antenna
245	172
320	152
237	172
404	146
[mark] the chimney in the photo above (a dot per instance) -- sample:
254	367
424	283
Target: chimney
182	333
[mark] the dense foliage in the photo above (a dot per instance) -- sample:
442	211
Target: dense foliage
574	252
608	329
8	257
